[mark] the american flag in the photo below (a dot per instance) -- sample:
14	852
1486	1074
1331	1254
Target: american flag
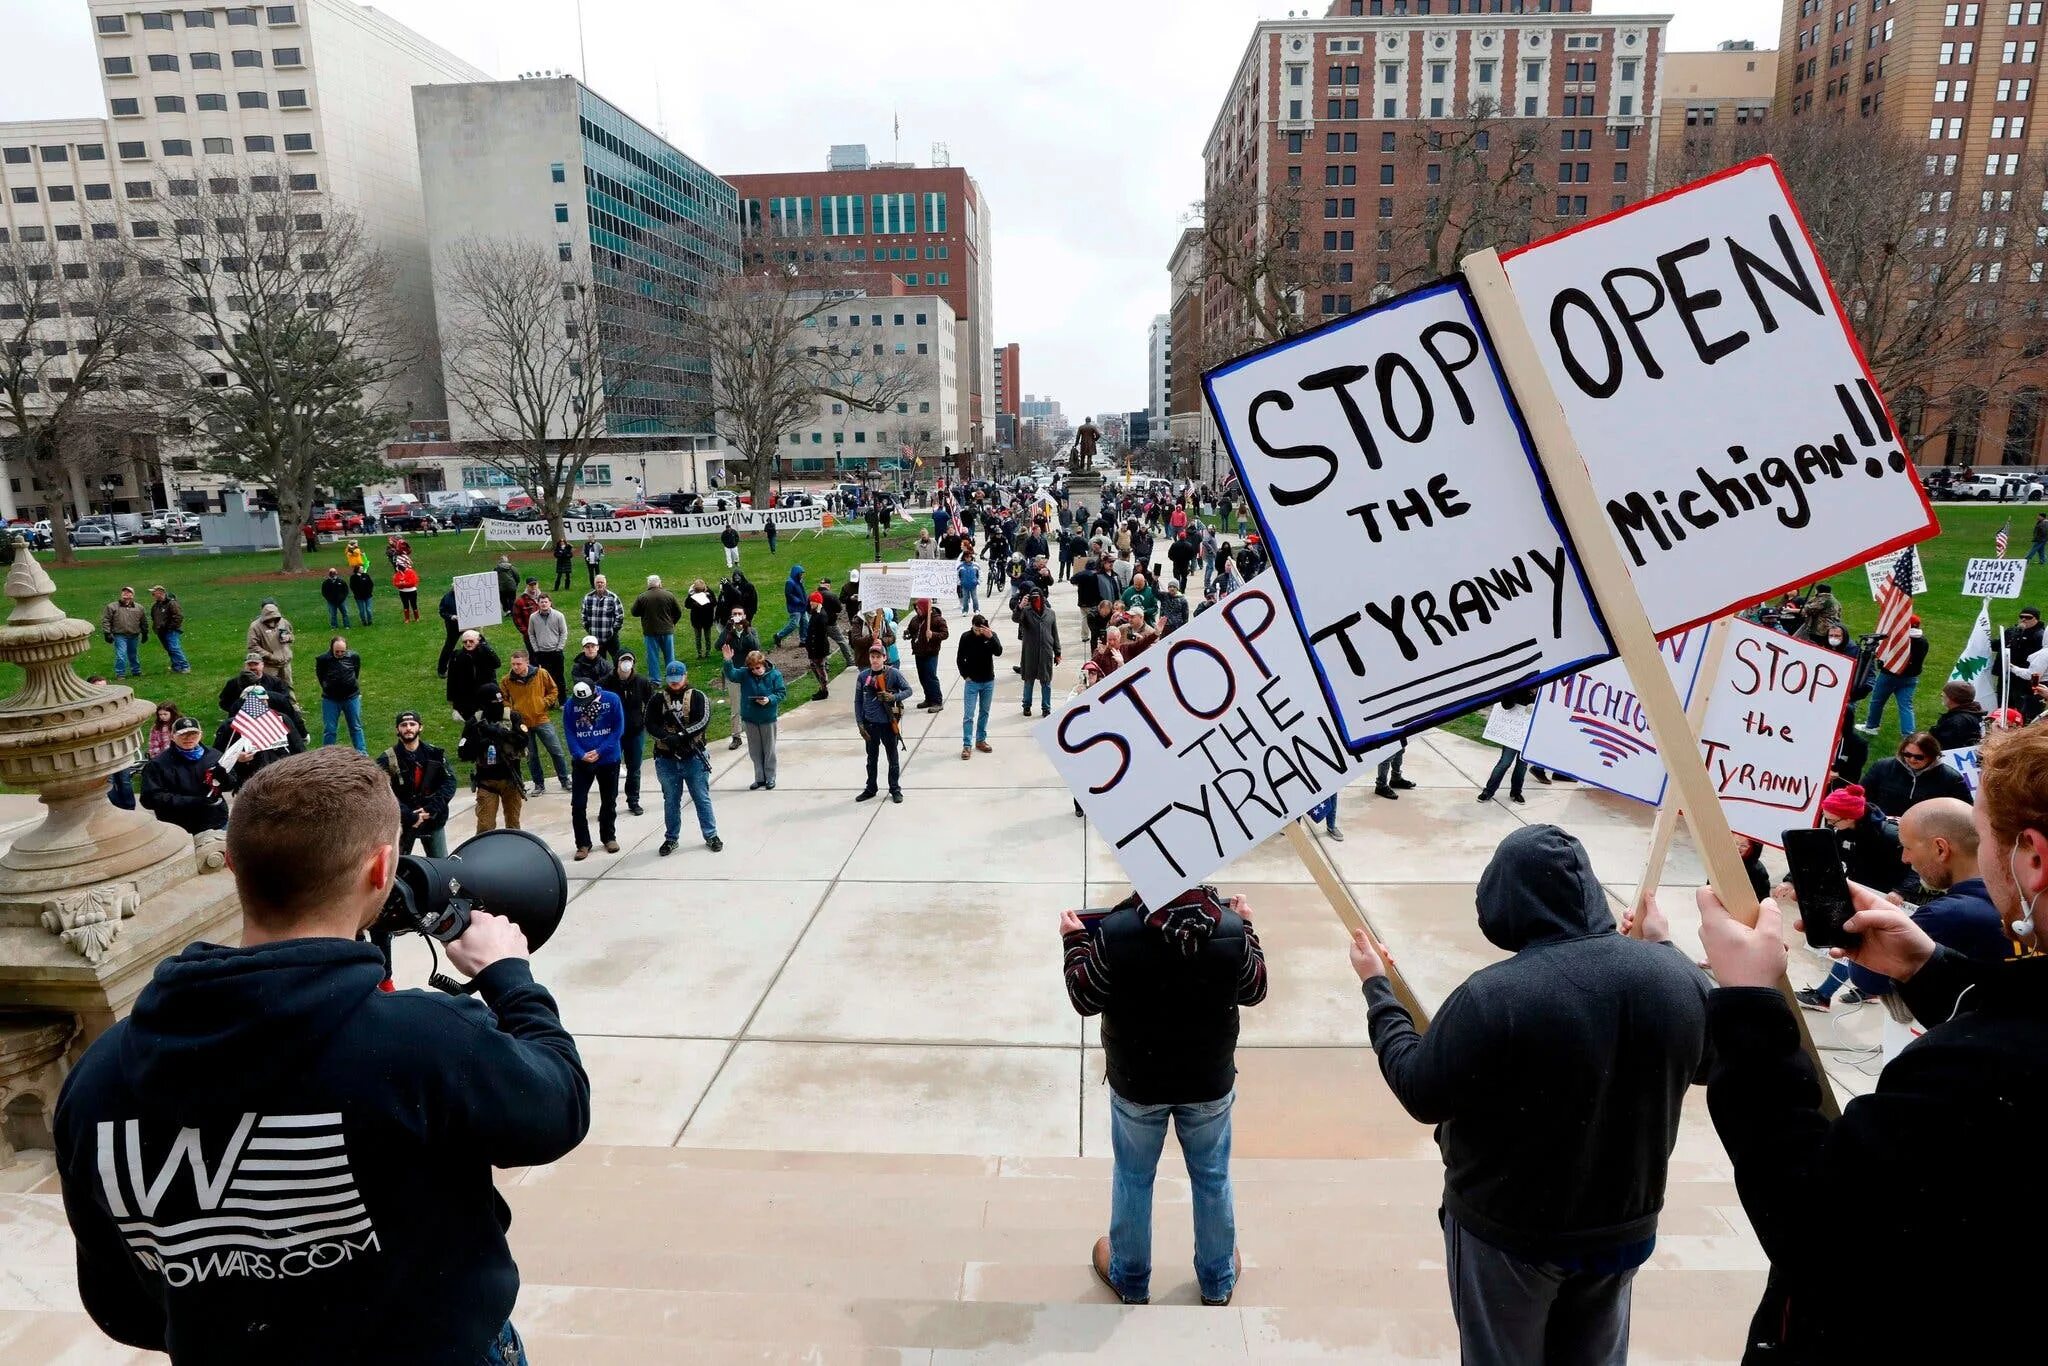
2004	535
1895	614
263	730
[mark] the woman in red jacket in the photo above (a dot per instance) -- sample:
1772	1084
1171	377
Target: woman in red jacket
406	580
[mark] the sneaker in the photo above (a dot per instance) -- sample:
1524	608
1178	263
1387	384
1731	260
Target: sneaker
984	747
737	741
1810	999
564	783
1850	996
633	809
866	796
1402	784
1382	790
714	844
771	785
537	790
667	847
1485	797
896	797
1337	835
1099	1260
611	846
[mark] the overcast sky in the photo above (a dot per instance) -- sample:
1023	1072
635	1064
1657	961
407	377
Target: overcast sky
1083	120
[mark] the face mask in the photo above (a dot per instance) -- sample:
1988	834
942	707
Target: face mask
192	753
625	668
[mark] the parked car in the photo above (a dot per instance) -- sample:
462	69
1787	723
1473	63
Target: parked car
100	531
795	498
1988	487
335	521
408	516
594	510
636	510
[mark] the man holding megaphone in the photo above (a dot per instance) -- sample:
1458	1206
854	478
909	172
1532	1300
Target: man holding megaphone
271	1159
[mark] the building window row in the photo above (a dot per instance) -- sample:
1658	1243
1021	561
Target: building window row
278	16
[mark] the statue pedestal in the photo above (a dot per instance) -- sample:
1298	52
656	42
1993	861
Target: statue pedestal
39	970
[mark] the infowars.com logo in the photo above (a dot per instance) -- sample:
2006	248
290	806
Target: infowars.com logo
280	1201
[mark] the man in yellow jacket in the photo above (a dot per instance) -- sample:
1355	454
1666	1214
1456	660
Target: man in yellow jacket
532	696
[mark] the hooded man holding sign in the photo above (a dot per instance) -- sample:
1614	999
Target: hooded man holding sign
1555	1080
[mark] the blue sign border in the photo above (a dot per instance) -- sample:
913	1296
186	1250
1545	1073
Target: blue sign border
1454	285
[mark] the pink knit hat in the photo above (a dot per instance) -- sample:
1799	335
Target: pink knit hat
1848	803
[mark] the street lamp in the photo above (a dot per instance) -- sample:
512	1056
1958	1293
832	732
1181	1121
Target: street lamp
643	478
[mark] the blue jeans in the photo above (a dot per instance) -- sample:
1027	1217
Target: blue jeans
174	646
337	615
658	653
2038	553
127	656
799	625
506	1349
694	774
928	675
363	610
973	725
1045	694
1137	1133
1890	685
545	733
331	713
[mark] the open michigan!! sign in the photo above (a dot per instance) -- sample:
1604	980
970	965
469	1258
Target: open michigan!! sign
1414	536
1731	428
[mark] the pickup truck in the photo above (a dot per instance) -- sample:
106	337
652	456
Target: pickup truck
1995	488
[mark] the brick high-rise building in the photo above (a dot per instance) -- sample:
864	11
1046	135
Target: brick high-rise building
1344	111
1008	375
928	225
1960	78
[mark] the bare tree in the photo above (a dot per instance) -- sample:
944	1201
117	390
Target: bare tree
1933	259
1482	186
523	357
300	344
772	362
78	320
1260	259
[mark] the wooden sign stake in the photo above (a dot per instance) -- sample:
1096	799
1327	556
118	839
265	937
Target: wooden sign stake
1667	814
1627	621
1350	912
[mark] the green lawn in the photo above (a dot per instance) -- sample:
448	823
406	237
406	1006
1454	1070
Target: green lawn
1946	615
221	593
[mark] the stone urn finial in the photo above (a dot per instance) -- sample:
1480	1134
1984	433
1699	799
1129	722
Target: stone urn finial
62	737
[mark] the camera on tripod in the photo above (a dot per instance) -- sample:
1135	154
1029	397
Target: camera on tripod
505	872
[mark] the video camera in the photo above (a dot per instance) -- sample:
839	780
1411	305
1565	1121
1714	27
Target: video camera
505	872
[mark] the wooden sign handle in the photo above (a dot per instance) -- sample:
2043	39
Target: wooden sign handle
1627	621
1667	814
1348	910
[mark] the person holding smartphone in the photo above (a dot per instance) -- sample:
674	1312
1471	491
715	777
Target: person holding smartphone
1945	1155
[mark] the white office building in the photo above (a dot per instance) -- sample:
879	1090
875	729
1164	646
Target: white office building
913	330
321	87
1159	369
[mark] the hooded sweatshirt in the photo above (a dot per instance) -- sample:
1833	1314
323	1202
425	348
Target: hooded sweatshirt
598	723
1554	1078
271	1160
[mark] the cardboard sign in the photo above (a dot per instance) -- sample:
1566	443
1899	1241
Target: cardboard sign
1994	578
886	585
1592	726
1772	726
1734	437
1203	745
1414	537
1507	726
476	601
1966	762
934	578
1879	570
581	529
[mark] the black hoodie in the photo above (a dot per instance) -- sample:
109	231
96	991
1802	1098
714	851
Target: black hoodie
1554	1078
273	1161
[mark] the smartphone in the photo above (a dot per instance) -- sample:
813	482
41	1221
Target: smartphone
1822	886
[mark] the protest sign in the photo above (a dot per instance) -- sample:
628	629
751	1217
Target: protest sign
1994	578
1773	723
934	578
1966	762
1879	572
476	600
1507	726
885	585
1413	536
1203	745
497	531
1735	440
1592	726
